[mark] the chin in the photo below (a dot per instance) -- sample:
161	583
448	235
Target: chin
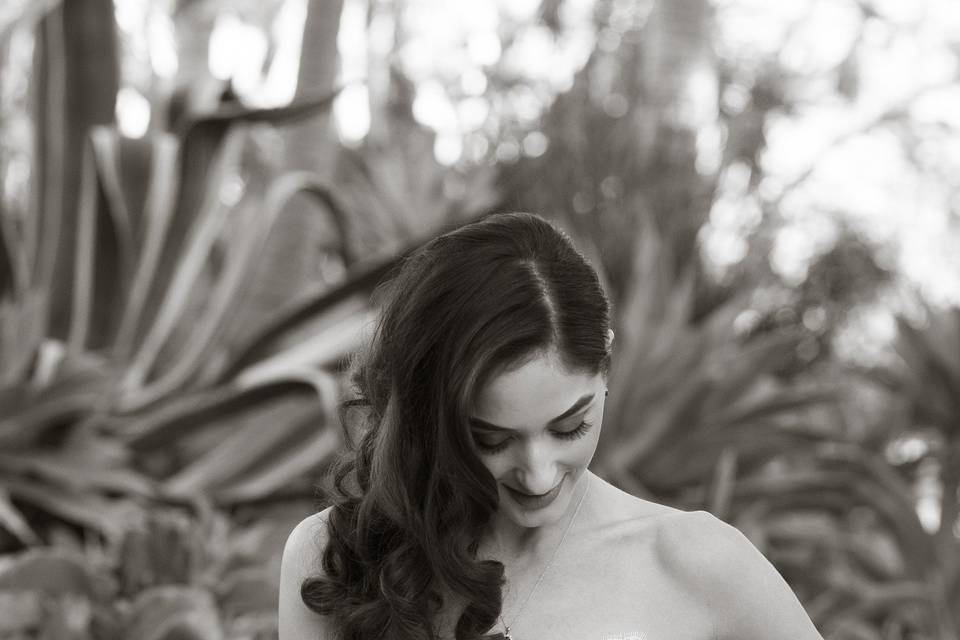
532	518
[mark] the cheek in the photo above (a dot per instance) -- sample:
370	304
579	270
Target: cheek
581	452
497	465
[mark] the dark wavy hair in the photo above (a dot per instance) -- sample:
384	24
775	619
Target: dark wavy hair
413	498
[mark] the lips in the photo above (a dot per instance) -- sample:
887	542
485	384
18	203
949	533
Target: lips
528	501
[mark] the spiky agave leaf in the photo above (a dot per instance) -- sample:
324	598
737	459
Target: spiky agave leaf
54	572
868	557
684	392
928	376
701	418
173	612
137	200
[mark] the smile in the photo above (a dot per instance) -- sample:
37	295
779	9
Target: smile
528	501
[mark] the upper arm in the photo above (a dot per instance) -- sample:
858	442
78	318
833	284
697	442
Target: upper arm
301	559
749	599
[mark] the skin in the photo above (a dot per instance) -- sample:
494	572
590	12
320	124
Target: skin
536	453
628	569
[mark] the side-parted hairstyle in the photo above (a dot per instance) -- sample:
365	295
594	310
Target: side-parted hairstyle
413	498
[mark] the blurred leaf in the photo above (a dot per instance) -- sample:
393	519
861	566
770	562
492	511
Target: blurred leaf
20	611
32	423
245	591
771	405
13	521
878	552
180	416
68	471
68	618
161	192
347	305
395	179
288	464
77	73
284	188
164	548
182	234
248	442
108	240
21	324
232	112
205	228
927	378
53	572
851	627
943	342
736	375
255	272
12	257
723	481
87	510
173	613
672	417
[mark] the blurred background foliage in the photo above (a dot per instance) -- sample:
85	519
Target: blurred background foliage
198	197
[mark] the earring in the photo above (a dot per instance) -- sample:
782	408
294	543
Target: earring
606	392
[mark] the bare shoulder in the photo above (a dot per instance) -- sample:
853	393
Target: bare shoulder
694	535
301	560
305	543
718	564
617	505
700	548
715	566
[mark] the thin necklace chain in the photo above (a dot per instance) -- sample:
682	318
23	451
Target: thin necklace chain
553	557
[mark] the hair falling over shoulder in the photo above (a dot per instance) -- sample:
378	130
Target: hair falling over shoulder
411	497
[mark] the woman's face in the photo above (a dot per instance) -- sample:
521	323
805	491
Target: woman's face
536	428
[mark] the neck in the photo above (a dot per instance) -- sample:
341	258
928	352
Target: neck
507	541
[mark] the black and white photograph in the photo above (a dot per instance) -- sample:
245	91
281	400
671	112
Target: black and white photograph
479	320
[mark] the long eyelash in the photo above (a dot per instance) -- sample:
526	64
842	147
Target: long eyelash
579	432
493	449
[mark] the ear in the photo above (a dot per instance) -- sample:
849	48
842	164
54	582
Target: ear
609	338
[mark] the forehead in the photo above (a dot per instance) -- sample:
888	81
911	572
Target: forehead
533	394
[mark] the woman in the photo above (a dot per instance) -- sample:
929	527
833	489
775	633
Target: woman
467	509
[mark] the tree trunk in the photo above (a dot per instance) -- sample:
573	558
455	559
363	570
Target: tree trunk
623	141
310	144
677	73
294	262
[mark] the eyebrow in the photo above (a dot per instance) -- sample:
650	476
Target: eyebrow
576	406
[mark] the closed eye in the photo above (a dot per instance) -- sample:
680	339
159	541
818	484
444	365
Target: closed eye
491	446
573	434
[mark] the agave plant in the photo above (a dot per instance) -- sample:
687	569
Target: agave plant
686	396
181	390
158	281
247	416
841	525
700	417
172	574
926	375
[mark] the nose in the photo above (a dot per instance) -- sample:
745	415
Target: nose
536	467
